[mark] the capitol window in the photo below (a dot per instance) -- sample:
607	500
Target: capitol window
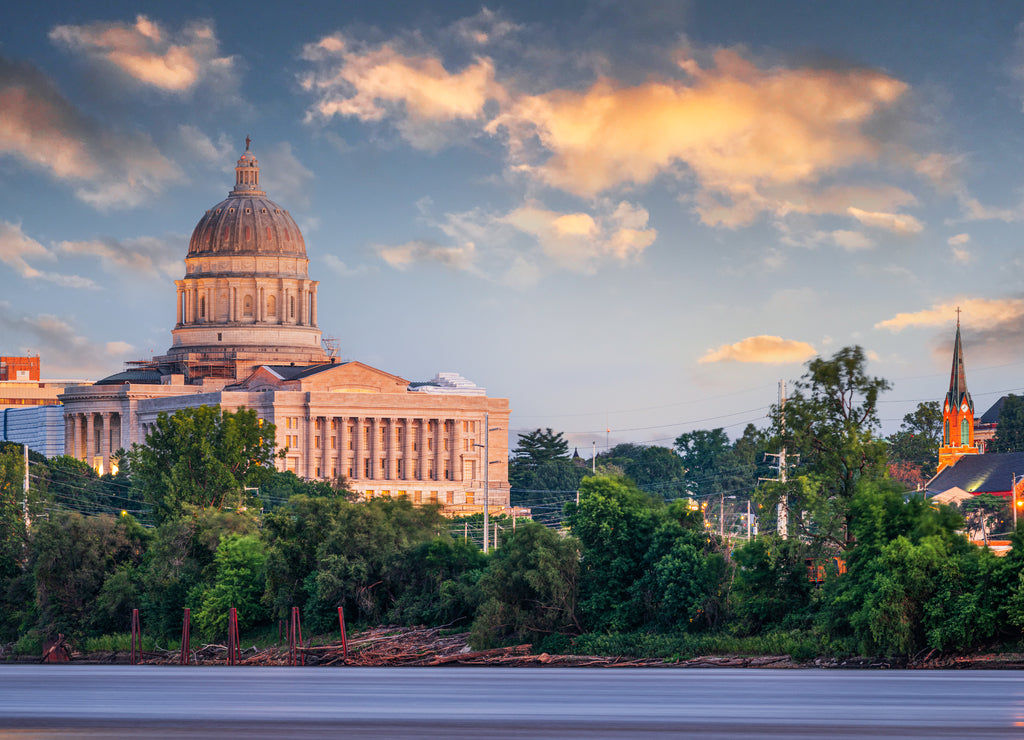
247	306
272	306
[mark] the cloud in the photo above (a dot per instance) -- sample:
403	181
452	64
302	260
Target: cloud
959	243
405	255
150	55
764	349
340	268
65	352
897	223
16	249
852	240
285	176
578	240
146	255
739	129
484	28
980	313
373	83
41	128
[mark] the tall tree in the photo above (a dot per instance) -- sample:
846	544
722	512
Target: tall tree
1010	430
203	457
541	446
540	471
831	422
656	469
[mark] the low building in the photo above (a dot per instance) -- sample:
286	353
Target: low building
40	427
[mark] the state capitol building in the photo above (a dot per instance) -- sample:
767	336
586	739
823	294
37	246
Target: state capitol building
247	335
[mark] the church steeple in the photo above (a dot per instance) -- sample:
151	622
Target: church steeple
957	411
958	394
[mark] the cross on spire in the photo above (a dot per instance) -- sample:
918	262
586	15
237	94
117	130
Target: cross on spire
957	308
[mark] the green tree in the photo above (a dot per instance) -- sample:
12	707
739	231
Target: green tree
529	589
1010	430
203	457
239	582
918	439
656	469
71	558
178	567
771	589
541	446
643	562
541	472
831	422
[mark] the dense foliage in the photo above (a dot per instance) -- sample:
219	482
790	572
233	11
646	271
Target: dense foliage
633	560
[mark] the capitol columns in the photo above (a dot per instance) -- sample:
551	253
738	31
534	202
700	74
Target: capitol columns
408	463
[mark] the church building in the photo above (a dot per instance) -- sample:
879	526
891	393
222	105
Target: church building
247	335
964	469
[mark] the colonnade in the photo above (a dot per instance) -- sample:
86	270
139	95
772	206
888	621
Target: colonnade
365	448
92	436
291	305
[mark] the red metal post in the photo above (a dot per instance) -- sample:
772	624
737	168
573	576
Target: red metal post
234	653
186	637
344	639
136	638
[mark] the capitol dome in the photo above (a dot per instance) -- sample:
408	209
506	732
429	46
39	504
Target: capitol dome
246	297
247	222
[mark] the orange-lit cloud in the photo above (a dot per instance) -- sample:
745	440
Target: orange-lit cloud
149	54
578	240
373	83
764	349
740	129
897	223
42	129
17	250
975	312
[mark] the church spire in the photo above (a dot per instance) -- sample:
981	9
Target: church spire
957	411
958	393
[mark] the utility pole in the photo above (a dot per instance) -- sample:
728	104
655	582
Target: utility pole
25	487
782	514
748	518
593	458
487	476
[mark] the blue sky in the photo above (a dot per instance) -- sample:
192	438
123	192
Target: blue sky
626	216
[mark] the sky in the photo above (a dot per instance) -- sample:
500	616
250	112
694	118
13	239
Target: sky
630	219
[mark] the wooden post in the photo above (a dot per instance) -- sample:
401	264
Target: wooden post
186	637
234	652
344	638
136	638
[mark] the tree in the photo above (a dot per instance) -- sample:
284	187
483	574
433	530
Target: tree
656	469
529	589
916	444
203	457
643	562
240	579
1010	430
831	421
541	446
540	470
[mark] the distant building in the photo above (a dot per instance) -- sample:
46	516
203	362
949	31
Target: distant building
19	368
40	427
963	467
247	335
957	412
